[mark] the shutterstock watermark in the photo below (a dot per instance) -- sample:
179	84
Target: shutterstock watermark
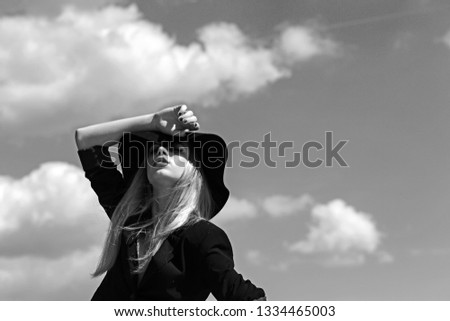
210	151
252	149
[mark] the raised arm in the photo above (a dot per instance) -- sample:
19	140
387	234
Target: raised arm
93	141
170	120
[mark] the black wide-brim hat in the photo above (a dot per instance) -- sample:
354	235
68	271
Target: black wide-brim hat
208	153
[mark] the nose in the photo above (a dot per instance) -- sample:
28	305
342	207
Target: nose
162	151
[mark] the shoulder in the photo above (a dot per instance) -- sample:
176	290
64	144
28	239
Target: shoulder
204	234
95	157
201	230
203	226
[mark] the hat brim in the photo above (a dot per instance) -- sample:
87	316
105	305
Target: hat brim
208	153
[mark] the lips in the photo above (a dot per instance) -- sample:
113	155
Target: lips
160	161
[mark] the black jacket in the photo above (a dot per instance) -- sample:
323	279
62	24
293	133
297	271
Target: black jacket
192	262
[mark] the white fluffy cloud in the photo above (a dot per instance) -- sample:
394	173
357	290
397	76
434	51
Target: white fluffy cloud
236	209
40	278
345	235
56	72
54	194
51	227
298	43
282	205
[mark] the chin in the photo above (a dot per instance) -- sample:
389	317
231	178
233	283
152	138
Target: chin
160	178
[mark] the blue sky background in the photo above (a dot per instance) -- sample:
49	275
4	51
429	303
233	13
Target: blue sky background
375	73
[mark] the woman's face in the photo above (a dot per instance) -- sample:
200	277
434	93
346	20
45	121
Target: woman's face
165	165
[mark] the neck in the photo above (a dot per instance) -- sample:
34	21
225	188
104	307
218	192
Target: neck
161	196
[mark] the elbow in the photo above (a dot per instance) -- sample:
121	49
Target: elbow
77	136
79	139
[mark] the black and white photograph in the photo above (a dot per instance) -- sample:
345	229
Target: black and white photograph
216	150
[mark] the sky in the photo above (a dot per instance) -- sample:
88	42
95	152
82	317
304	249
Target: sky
374	75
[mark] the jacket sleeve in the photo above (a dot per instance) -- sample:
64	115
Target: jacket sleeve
218	265
106	181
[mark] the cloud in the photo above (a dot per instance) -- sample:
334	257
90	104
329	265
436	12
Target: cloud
48	212
50	229
51	211
281	205
255	257
345	235
297	43
236	210
62	278
57	72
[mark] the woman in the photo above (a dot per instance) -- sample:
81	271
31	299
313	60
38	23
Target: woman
160	244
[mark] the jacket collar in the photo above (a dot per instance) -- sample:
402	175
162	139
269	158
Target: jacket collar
162	257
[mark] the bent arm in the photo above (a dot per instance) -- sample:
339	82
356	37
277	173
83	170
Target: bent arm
170	121
109	133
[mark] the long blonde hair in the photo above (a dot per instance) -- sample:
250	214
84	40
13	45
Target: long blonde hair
188	202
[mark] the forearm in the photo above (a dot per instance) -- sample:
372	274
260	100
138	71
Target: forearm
109	133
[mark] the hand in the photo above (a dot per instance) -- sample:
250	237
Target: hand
175	120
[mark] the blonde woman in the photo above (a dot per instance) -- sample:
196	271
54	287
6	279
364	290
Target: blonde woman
160	244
